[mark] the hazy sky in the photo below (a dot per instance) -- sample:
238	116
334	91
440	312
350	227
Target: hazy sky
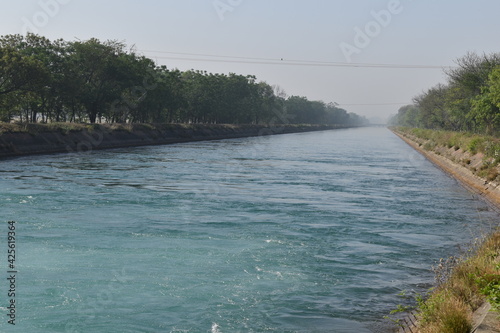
302	46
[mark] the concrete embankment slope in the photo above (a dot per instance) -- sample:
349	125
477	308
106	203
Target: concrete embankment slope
446	159
59	138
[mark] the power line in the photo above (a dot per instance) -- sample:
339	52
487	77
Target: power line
372	104
281	61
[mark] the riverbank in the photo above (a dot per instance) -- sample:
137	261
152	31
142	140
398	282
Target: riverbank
460	303
469	165
30	139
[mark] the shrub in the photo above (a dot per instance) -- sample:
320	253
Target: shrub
429	145
444	313
475	145
463	286
492	150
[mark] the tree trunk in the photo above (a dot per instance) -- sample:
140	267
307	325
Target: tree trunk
92	117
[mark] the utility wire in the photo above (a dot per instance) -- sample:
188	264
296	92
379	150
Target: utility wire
281	61
288	62
373	104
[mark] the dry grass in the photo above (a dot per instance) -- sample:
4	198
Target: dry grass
11	128
41	128
473	143
469	282
443	313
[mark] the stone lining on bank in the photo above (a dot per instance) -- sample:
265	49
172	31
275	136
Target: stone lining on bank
448	159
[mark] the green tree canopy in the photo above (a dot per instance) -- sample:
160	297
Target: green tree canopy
94	81
468	102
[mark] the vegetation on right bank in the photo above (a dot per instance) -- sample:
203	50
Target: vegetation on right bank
463	286
468	101
460	120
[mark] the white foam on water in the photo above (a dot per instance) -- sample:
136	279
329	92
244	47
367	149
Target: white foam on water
215	328
273	241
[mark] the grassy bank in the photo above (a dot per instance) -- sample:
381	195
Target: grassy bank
66	127
463	288
465	283
474	143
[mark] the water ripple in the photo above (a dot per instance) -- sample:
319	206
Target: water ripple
293	233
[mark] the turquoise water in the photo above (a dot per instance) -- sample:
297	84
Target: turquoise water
311	232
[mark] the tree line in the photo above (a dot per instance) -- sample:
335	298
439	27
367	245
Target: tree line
94	81
469	101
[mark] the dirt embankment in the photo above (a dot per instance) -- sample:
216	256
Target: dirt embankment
39	139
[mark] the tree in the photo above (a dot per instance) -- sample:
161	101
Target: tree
494	86
408	115
485	113
303	111
433	107
336	115
267	106
466	83
473	71
137	77
486	106
94	81
101	75
22	72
